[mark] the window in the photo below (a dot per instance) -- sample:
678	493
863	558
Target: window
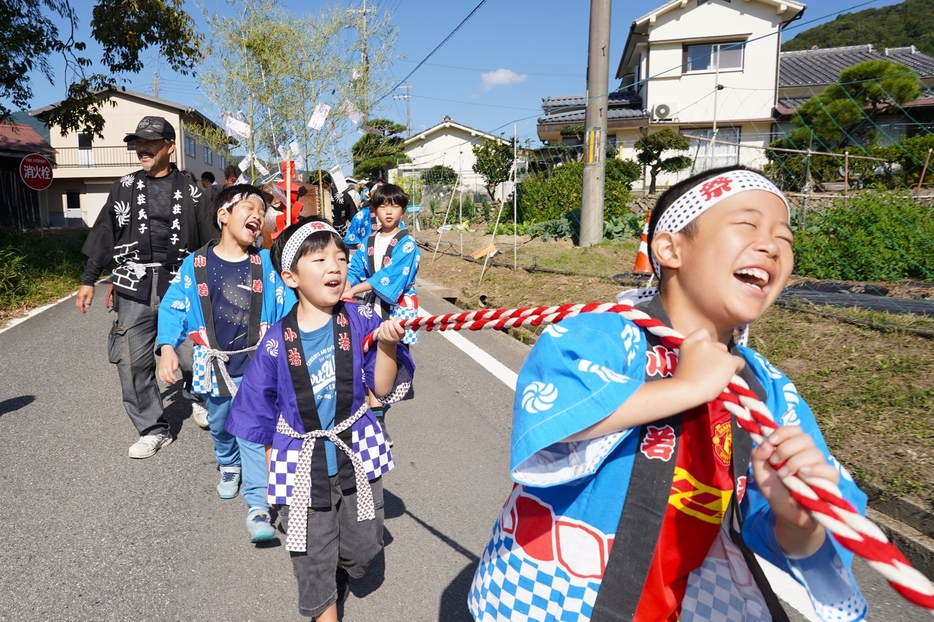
221	162
707	153
703	57
85	140
72	204
190	146
85	150
208	156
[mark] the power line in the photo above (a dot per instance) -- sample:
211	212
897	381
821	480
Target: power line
430	54
456	101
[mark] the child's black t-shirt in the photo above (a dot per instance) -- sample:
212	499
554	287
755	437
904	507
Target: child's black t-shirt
229	288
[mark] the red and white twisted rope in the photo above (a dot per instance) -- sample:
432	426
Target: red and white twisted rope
821	497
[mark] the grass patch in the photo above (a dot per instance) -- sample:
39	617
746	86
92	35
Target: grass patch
37	268
872	391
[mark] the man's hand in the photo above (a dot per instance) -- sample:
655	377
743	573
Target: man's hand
84	297
168	364
794	452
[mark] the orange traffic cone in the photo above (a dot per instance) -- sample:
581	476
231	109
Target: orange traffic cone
643	265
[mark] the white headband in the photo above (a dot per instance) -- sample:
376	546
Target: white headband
234	200
705	195
291	247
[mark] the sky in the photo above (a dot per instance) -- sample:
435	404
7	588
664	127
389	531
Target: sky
492	74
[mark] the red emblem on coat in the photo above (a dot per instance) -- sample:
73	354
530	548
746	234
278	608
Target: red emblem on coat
387	260
369	251
660	361
289	334
715	187
659	443
343	341
255	258
200	261
295	359
577	547
258	286
202	289
342	320
740	487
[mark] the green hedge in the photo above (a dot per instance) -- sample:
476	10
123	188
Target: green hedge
549	195
877	236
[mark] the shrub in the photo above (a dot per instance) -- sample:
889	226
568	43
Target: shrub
550	195
568	226
876	237
37	268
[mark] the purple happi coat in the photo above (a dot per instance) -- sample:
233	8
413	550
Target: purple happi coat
268	391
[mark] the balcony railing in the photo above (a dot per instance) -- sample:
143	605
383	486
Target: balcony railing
98	157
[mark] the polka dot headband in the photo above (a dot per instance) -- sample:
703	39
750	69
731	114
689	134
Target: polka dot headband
705	195
291	247
236	199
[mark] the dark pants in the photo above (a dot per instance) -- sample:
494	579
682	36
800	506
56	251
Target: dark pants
335	536
131	346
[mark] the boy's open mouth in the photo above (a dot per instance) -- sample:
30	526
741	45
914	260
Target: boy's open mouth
756	277
253	227
333	283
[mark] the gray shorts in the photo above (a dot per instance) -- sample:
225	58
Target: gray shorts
334	536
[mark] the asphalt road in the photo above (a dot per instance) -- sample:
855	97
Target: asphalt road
88	534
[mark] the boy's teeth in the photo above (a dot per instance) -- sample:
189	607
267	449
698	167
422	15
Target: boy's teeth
756	273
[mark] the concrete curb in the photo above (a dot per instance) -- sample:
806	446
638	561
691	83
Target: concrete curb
909	526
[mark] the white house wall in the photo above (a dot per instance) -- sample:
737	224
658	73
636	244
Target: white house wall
748	93
450	147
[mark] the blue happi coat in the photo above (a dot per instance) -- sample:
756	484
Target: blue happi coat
579	372
361	227
180	316
393	282
267	392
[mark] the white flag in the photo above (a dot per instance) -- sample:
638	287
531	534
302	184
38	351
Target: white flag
282	152
245	163
279	193
351	111
297	155
243	179
259	166
317	119
338	176
232	125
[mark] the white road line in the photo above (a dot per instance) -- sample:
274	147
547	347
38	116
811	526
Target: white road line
503	373
34	313
784	586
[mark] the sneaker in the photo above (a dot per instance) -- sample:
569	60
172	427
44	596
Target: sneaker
343	584
259	525
230	482
148	445
199	414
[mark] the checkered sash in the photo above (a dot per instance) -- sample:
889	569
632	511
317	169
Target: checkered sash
297	536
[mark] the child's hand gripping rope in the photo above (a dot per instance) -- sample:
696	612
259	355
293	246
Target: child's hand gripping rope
818	495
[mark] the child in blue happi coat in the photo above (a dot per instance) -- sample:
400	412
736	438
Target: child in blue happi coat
224	297
304	397
638	496
386	267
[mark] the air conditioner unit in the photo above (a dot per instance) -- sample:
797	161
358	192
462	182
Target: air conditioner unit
664	112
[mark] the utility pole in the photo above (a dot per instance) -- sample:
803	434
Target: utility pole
155	84
365	58
598	67
408	109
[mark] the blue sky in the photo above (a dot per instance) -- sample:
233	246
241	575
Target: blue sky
528	49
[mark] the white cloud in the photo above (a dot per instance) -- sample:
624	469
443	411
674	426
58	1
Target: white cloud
501	77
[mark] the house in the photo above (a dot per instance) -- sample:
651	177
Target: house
706	68
86	166
19	204
448	144
806	73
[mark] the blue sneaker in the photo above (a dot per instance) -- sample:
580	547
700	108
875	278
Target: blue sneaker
230	482
259	525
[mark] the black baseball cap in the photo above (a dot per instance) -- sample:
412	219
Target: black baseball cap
152	128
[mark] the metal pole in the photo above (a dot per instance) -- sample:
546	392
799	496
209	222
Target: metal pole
408	111
924	171
598	67
716	90
846	176
515	193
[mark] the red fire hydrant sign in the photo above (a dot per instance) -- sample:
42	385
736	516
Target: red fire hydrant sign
36	172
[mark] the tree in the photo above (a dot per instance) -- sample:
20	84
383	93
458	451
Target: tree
125	30
379	149
494	163
652	148
844	113
440	175
899	25
841	118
